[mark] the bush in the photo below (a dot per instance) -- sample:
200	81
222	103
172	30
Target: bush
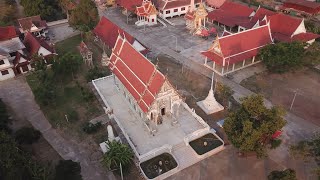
91	128
275	143
27	135
68	170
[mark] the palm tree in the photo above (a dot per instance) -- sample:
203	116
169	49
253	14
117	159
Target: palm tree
117	153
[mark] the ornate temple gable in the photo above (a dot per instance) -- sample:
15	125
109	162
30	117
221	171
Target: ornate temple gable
216	47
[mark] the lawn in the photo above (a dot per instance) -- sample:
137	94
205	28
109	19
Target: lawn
69	45
70	99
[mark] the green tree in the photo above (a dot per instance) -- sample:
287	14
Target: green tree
47	9
288	174
67	64
223	93
68	170
95	73
308	150
118	153
85	16
45	93
282	57
251	127
7	13
27	135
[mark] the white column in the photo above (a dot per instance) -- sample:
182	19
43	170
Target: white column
205	61
233	67
222	70
244	62
253	59
214	65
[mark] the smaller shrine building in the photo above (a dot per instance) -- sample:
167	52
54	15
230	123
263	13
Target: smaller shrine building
232	52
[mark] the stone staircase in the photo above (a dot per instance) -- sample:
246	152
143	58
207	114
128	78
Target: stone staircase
184	155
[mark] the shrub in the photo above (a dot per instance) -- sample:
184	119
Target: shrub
275	143
27	135
91	128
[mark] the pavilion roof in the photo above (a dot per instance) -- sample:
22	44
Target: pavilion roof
146	9
139	76
240	46
26	23
170	4
231	14
216	3
130	5
33	44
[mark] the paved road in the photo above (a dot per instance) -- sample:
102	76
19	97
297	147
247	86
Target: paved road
159	39
17	94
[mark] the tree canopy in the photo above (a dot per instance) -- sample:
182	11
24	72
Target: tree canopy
288	174
47	9
251	127
4	118
27	135
68	170
7	12
282	57
85	16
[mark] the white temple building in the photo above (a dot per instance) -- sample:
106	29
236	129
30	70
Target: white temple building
150	113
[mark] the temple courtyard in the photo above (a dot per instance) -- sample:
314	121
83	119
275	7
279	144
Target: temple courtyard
170	137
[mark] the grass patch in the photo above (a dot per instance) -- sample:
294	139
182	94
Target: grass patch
69	45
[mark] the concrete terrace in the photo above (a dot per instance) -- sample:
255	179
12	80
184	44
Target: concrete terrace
135	127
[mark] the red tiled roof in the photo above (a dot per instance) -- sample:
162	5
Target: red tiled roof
163	4
231	14
261	13
245	40
108	32
33	44
302	5
305	37
284	24
130	5
215	3
240	46
146	9
137	74
26	23
8	32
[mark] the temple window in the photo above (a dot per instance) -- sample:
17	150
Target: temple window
168	12
175	10
183	8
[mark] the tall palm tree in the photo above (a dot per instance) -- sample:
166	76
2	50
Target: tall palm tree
117	153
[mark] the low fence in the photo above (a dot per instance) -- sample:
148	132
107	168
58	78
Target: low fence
55	23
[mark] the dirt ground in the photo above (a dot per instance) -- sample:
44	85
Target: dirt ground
280	90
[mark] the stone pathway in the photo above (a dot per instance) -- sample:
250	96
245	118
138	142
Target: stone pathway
17	94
